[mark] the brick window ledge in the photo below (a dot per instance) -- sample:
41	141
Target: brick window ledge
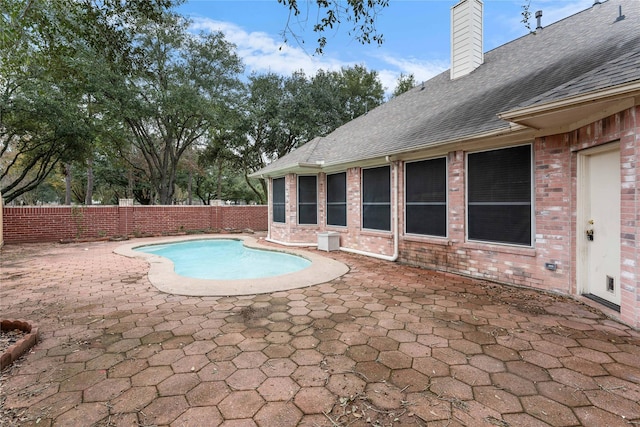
430	240
376	233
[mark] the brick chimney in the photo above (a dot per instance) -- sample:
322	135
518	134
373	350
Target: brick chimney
466	37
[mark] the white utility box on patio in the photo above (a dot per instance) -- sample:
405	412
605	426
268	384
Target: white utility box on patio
329	241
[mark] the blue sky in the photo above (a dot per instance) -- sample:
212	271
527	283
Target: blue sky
416	34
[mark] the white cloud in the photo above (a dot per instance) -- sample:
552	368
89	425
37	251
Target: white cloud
261	52
421	69
264	52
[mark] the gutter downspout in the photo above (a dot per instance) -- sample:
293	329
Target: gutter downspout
268	203
396	224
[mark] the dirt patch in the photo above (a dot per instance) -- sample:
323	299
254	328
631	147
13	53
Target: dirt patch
254	313
532	301
8	338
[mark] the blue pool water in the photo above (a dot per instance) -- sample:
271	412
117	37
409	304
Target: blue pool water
224	259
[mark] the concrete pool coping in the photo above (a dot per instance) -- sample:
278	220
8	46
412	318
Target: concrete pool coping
163	277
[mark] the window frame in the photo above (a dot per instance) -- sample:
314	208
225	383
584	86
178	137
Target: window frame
298	203
363	203
531	203
446	198
283	203
341	203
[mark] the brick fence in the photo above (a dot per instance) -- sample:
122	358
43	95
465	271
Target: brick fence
26	224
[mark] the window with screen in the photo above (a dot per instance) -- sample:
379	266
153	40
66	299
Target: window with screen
307	199
426	197
278	200
337	199
499	195
376	198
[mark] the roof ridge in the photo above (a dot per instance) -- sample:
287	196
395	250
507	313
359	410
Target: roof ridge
533	33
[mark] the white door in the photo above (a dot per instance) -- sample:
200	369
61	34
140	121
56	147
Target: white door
599	223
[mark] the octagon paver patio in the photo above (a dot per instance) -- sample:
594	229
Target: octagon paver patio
383	345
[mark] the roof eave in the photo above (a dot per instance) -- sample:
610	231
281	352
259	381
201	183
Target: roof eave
570	113
298	168
512	133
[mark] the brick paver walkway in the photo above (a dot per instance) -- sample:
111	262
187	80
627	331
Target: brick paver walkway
384	345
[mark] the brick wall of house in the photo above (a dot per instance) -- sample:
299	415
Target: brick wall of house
623	127
453	254
351	237
354	237
555	175
282	231
1	222
291	232
555	178
630	230
26	224
631	203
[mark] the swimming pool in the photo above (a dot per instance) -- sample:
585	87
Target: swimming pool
163	277
225	259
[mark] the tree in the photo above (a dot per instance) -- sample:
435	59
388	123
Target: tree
39	128
222	180
360	14
120	91
284	113
53	55
38	125
404	83
361	91
337	97
175	100
281	115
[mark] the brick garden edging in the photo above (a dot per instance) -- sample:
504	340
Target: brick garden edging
22	345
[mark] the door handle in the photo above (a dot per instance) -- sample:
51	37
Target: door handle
590	230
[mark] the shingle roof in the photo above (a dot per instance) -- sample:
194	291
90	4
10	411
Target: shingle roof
585	52
621	70
300	155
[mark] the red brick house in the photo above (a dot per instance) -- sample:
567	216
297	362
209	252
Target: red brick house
520	165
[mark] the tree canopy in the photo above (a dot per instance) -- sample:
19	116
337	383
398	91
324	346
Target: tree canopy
121	99
404	83
177	99
361	15
55	57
